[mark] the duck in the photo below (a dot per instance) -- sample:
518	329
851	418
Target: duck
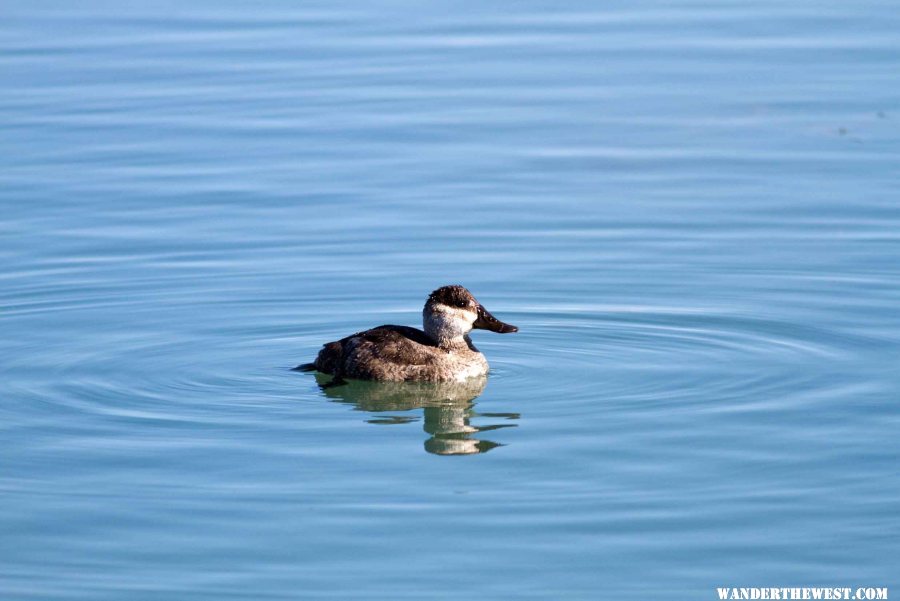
441	352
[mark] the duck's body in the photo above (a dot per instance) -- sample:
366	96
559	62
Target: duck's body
400	353
442	352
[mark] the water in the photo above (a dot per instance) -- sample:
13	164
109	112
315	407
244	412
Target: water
690	210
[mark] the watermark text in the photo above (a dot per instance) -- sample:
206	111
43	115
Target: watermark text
790	593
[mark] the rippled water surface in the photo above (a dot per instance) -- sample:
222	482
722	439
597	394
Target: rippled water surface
689	209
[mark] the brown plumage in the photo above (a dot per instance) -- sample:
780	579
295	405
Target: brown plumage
442	352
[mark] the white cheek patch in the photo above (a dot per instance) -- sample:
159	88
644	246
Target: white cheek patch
446	322
466	315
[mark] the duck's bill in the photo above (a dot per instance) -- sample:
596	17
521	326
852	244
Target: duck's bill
486	321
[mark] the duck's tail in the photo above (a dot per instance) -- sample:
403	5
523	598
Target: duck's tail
305	367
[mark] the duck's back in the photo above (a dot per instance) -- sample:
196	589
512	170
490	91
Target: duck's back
383	353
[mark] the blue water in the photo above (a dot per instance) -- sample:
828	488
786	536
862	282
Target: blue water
689	209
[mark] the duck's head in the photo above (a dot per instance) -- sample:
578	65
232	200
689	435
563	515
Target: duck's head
451	312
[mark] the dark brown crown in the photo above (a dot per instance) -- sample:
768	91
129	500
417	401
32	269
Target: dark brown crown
452	296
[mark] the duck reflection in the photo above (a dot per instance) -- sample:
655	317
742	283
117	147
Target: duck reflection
448	407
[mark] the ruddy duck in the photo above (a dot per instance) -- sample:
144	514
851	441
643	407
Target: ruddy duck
443	352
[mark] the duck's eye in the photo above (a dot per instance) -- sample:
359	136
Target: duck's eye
462	304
